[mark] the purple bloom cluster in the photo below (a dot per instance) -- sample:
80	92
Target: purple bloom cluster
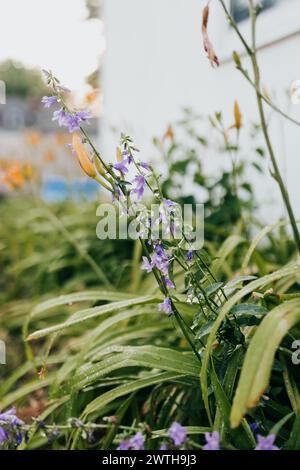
137	442
72	121
159	259
9	425
177	433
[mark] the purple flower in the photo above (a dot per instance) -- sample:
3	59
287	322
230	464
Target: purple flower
189	256
139	183
177	433
124	445
122	166
145	166
10	419
254	427
266	443
61	116
169	203
169	283
137	442
3	435
74	120
147	265
164	447
49	101
166	306
212	441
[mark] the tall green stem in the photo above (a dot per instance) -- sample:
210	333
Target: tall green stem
252	52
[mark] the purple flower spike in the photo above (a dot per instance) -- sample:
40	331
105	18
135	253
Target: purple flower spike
147	265
49	101
177	433
212	441
166	306
266	443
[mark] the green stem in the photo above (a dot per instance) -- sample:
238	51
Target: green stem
277	174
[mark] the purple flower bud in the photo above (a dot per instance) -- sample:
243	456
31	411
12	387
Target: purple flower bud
145	166
189	256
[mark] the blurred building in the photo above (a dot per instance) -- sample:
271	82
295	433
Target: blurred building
155	64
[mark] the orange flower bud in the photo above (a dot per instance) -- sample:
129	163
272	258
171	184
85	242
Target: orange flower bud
169	134
237	116
83	157
119	155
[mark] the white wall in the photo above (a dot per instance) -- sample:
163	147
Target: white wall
154	65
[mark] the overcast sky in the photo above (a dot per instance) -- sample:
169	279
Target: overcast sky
51	34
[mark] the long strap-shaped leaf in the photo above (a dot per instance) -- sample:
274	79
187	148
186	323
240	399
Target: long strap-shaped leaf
257	284
256	371
92	296
91	313
99	402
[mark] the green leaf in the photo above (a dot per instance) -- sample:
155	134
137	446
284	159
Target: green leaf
294	440
292	269
100	402
256	371
141	356
91	296
91	313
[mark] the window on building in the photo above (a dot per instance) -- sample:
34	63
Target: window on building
239	8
